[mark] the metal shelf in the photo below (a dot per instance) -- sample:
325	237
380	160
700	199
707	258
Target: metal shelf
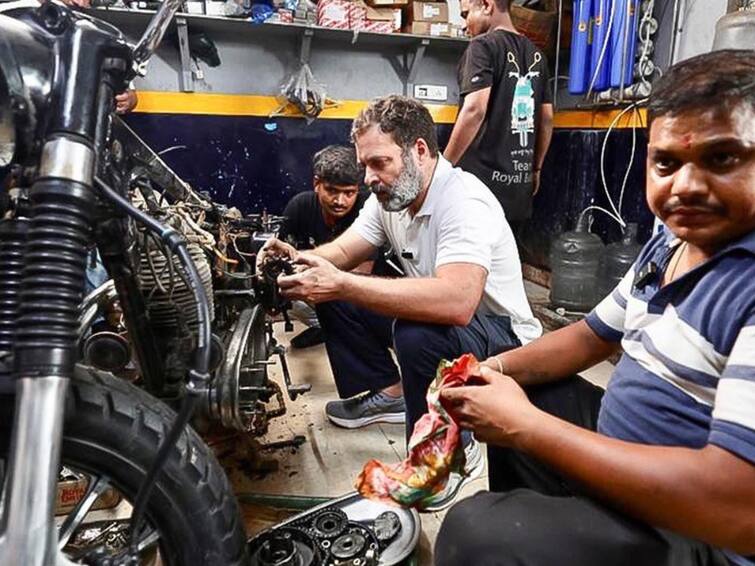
406	65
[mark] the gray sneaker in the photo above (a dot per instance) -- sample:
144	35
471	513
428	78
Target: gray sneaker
473	468
365	409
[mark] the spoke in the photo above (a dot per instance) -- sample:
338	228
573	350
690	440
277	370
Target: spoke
149	539
75	517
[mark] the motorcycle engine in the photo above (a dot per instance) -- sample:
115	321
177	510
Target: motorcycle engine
167	295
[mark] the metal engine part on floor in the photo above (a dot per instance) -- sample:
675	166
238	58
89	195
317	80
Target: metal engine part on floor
349	530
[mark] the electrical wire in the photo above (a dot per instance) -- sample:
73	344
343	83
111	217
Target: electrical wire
198	376
615	212
635	113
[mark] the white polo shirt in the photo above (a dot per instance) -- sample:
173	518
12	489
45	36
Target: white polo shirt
459	222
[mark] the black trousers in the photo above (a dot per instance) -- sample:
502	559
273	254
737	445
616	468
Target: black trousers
534	517
358	341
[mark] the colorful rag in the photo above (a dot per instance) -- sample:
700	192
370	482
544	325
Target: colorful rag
435	449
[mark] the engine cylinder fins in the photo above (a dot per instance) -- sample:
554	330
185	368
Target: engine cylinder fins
168	297
13	234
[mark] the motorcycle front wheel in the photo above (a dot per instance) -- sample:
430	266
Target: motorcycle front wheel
111	434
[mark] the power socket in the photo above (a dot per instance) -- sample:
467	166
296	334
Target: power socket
431	92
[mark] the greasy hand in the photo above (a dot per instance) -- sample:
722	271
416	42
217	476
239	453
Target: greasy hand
275	248
126	101
497	410
316	281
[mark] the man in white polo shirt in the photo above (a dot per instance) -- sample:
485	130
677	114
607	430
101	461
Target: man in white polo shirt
463	291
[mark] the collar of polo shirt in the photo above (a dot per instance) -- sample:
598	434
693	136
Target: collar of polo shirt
440	175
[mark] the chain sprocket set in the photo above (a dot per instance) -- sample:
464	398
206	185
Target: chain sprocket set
348	532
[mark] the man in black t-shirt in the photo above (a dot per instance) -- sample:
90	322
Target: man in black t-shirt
354	338
505	119
313	218
317	217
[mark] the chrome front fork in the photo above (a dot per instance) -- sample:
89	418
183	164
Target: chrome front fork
29	536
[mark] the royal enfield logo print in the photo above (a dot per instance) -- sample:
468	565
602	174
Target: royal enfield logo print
523	106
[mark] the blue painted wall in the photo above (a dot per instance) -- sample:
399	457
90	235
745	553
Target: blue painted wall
260	163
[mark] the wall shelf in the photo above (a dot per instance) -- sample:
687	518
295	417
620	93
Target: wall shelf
412	48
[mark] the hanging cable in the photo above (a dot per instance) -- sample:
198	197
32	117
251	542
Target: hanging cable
615	212
635	119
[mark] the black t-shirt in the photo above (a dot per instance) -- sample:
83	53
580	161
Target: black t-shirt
305	228
502	154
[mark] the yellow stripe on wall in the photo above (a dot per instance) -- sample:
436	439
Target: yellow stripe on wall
158	102
600	120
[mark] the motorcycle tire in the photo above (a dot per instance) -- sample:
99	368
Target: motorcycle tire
113	429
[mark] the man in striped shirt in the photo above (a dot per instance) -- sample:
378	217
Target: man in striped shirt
668	476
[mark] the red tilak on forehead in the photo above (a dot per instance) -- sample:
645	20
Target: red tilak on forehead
687	140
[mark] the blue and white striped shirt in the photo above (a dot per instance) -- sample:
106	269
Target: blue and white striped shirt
687	376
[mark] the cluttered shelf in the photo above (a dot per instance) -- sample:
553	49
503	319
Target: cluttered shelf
340	23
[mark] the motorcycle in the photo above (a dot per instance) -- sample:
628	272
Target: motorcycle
223	244
64	192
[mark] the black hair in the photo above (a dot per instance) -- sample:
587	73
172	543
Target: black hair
337	165
405	119
502	5
718	81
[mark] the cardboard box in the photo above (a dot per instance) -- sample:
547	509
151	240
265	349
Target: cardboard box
71	491
437	29
373	26
387	3
357	15
377	20
392	15
334	14
457	31
427	12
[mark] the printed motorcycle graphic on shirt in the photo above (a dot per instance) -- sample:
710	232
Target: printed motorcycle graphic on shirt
523	107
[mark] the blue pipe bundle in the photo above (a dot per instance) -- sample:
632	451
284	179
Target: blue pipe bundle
624	43
599	66
579	66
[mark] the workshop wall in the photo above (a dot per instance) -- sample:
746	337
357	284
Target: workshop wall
241	155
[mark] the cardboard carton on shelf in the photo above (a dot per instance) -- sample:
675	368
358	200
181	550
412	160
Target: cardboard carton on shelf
435	29
386	3
374	26
457	31
392	15
334	14
435	12
377	20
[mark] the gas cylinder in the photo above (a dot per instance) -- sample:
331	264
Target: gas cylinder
736	30
575	262
617	259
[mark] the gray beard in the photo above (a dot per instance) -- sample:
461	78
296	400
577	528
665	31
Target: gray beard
406	188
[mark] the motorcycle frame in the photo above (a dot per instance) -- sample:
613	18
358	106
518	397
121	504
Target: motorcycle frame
92	64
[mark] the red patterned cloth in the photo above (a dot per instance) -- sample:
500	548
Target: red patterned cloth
435	448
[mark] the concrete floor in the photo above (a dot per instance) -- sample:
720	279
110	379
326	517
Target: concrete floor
330	460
